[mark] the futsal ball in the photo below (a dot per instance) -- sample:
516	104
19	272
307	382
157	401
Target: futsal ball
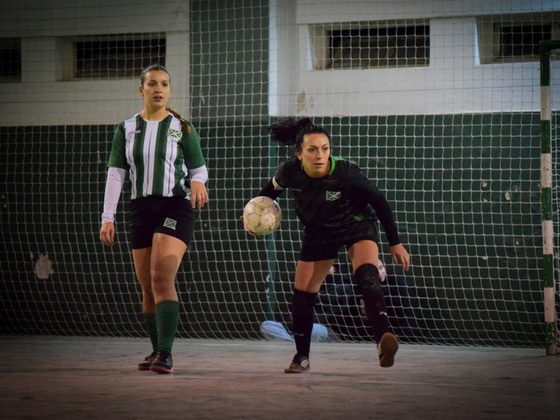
262	215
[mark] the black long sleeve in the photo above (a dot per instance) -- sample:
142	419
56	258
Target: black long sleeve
269	190
367	191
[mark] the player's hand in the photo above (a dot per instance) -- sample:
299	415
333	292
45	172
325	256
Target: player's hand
107	234
247	229
199	194
400	256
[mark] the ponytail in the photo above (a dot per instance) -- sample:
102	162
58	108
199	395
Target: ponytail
290	132
186	126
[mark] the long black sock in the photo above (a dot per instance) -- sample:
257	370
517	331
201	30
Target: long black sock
367	279
303	304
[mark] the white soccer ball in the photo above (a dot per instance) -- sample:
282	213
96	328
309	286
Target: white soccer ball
262	215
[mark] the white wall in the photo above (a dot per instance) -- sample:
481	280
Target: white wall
319	11
453	82
42	100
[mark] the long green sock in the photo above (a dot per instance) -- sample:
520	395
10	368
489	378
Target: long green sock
167	319
151	326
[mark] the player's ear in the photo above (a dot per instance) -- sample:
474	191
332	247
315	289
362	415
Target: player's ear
141	90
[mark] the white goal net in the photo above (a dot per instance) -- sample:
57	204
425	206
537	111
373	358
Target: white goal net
437	101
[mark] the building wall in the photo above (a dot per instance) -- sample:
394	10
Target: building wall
453	82
42	98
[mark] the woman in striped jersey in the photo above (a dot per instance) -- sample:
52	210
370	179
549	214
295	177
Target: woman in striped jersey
158	149
338	206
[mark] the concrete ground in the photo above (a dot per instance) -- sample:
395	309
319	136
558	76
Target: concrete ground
96	378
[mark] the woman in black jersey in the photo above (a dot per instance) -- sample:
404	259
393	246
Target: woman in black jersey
338	206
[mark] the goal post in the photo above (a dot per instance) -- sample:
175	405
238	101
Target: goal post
551	321
271	251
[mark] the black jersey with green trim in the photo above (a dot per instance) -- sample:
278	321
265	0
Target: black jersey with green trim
336	201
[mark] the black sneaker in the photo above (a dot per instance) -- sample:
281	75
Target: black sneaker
299	364
163	362
145	365
387	348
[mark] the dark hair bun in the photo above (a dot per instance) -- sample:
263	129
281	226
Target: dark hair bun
285	131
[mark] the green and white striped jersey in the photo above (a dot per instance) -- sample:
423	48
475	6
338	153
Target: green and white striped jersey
157	155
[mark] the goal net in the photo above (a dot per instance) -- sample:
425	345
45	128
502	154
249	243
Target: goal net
438	102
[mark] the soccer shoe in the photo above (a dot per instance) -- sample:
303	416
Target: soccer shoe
145	365
387	348
299	364
163	362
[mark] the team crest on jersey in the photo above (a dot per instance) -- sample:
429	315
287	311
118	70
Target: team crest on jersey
333	195
176	134
170	223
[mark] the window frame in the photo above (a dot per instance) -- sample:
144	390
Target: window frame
129	53
490	36
370	45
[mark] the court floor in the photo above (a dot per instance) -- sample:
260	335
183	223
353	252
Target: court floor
45	377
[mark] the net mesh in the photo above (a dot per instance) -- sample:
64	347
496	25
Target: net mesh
442	111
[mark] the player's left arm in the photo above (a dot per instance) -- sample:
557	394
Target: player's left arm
400	256
364	188
194	159
199	193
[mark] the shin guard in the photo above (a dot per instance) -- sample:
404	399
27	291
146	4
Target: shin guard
369	285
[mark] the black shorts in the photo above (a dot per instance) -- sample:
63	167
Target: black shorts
173	216
325	246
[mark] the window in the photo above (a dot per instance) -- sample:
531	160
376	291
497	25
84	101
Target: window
515	39
117	56
521	41
370	45
10	60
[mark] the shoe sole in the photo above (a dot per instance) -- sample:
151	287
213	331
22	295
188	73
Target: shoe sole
144	367
160	369
290	370
389	346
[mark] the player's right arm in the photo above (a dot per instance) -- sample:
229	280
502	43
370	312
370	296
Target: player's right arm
116	175
113	189
272	189
278	183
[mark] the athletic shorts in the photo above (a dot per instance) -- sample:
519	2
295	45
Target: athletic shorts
319	247
173	216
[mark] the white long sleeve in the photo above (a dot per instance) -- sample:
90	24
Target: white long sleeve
113	189
199	174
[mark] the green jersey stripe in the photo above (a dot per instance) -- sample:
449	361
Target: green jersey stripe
157	155
137	156
160	150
